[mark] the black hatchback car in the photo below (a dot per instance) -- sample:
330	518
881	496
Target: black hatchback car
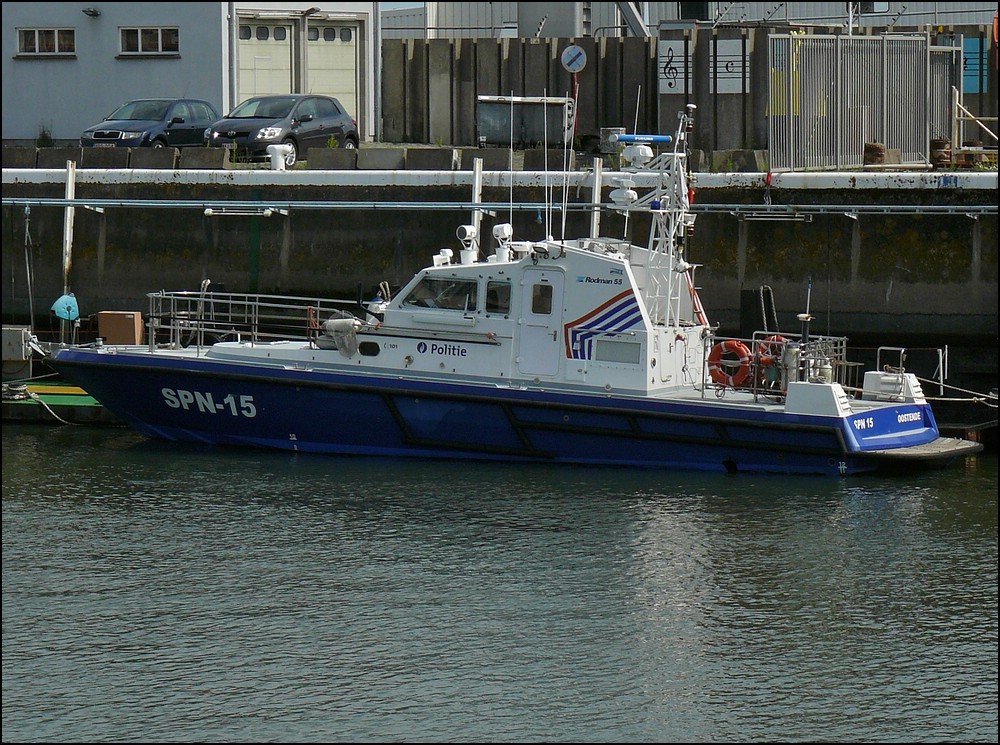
297	119
153	122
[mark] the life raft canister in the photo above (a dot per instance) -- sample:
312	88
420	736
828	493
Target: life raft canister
735	348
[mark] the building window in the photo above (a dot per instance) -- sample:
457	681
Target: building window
329	34
245	33
345	35
280	32
313	34
263	33
694	12
45	41
148	41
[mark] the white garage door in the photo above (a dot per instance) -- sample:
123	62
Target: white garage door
265	59
332	54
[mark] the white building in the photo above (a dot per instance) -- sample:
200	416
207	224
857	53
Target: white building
67	65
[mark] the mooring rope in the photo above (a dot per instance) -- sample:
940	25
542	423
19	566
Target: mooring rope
20	392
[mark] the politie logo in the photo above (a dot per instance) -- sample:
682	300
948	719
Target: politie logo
439	349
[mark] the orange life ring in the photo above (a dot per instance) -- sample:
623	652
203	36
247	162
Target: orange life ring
739	350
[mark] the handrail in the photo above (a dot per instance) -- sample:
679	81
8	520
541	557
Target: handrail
957	107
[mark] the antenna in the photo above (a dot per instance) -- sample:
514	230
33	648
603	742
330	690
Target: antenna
567	134
545	160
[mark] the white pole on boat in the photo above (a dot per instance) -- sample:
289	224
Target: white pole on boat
477	192
805	318
545	161
510	160
595	199
68	215
67	258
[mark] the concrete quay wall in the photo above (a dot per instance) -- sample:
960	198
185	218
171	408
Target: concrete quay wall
907	275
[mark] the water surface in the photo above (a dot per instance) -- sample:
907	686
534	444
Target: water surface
163	592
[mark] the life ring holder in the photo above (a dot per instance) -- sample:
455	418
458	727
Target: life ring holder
719	375
771	349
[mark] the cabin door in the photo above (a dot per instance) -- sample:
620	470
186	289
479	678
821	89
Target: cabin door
540	322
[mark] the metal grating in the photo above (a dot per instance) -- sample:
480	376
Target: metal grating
829	96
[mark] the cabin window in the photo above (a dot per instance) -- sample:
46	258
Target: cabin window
541	300
498	297
611	350
449	293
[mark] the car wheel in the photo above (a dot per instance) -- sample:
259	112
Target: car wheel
350	144
293	154
157	143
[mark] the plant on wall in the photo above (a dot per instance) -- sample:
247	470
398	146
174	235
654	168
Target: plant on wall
44	138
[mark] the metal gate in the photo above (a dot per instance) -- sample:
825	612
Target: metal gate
829	96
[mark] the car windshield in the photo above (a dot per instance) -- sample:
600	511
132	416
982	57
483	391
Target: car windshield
144	110
263	108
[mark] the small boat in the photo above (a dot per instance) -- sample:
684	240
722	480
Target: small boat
590	350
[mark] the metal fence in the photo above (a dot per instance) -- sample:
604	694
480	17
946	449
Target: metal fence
831	97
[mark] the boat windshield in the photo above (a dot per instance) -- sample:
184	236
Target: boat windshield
448	293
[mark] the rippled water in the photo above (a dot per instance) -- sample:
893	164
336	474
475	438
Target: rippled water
154	591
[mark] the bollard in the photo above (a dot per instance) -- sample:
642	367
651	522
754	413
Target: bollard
278	154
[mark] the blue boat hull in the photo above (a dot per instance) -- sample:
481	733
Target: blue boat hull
337	413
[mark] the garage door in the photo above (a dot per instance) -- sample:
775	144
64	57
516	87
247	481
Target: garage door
265	59
332	53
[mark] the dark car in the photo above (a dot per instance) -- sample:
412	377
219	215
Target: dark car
300	120
153	122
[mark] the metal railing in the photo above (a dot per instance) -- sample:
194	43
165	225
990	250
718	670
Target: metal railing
766	363
966	125
201	318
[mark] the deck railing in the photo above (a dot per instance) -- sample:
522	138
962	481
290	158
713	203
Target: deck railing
201	318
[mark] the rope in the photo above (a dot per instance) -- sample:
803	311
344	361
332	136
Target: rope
977	398
977	394
20	392
764	308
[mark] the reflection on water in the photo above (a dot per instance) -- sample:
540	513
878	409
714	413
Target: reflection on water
160	591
